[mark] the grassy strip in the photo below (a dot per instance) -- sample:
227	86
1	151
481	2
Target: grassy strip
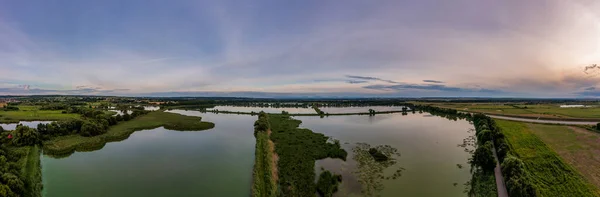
31	172
65	145
298	149
550	175
264	172
263	184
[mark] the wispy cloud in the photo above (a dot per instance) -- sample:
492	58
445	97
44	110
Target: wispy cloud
428	87
432	81
371	78
513	46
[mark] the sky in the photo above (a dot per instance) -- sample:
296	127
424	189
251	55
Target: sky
398	48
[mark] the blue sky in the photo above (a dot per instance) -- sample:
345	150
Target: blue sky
352	47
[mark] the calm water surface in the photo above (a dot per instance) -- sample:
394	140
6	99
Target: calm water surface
294	110
218	162
160	162
428	147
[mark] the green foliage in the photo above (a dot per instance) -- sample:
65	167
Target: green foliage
482	184
297	150
14	181
328	183
484	157
26	136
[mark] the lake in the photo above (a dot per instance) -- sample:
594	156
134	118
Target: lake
160	162
219	161
335	110
428	148
292	110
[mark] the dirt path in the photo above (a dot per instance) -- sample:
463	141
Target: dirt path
502	192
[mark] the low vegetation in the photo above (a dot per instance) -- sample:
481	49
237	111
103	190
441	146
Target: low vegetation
531	161
577	146
298	149
68	144
264	181
328	183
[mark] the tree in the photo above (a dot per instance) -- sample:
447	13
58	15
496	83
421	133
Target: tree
13	182
484	157
92	129
25	136
126	117
484	136
598	126
119	117
1	129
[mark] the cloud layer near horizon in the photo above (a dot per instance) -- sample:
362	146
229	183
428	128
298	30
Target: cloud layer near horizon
401	48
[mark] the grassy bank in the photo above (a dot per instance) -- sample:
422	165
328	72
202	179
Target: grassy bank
264	184
550	175
31	172
577	146
71	143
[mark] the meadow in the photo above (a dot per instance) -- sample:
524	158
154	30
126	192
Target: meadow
32	113
68	144
550	174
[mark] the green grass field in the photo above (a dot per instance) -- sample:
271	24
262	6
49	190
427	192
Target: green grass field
68	144
32	113
552	176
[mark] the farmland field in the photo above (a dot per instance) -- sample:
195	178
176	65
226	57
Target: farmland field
577	146
550	174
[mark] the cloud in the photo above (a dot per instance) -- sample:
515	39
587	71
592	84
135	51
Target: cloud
432	81
590	88
370	78
79	90
514	46
429	87
356	81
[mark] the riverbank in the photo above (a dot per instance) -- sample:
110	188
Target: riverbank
65	145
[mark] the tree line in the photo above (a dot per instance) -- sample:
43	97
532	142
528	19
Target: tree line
517	179
94	122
